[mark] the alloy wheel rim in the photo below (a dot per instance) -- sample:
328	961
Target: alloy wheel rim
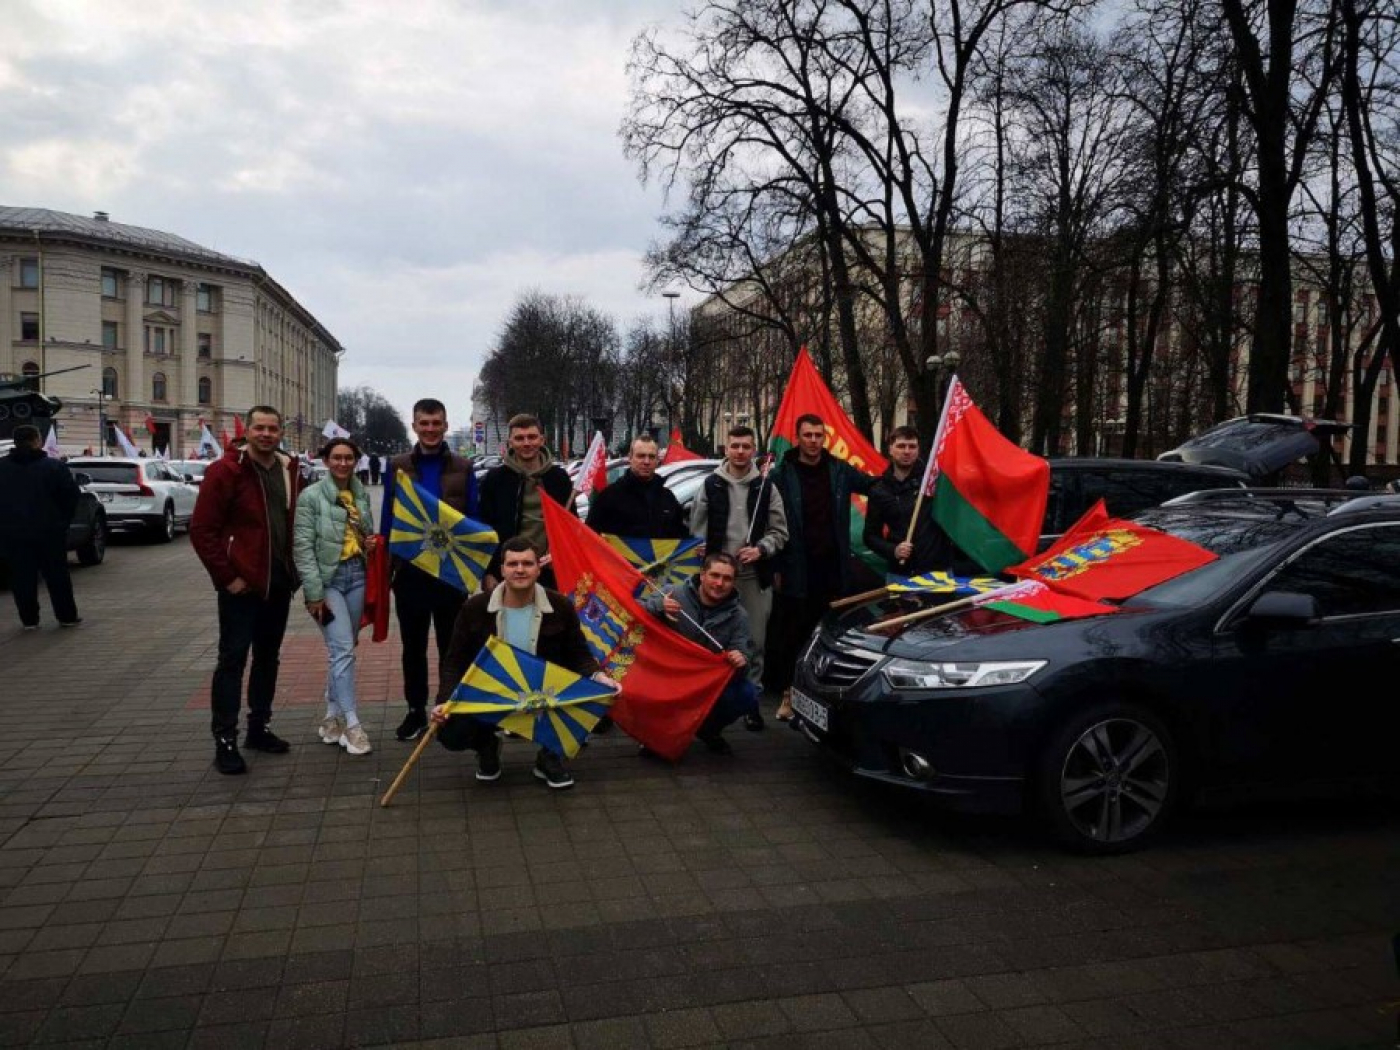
1115	780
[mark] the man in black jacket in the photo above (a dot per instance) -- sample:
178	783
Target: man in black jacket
638	504
37	498
892	501
511	493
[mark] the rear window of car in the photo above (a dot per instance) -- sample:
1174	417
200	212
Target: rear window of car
112	473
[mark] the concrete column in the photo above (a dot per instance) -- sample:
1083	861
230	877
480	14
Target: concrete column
9	324
189	346
134	389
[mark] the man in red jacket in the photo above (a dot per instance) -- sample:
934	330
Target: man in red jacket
242	532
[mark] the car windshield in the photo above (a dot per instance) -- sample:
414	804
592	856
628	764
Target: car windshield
112	473
197	468
1240	543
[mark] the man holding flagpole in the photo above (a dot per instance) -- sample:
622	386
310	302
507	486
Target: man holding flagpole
511	494
894	503
421	601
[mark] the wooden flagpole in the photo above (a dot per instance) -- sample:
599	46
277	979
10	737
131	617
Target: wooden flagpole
856	599
923	614
412	761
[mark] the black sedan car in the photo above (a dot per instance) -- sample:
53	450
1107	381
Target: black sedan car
1273	663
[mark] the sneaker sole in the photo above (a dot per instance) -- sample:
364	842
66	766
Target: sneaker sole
411	736
487	778
356	750
541	775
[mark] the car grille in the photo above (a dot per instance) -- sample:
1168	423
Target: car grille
838	667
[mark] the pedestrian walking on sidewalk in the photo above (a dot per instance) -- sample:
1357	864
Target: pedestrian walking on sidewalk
242	532
332	538
37	498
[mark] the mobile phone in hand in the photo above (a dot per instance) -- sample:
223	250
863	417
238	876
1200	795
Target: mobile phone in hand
327	616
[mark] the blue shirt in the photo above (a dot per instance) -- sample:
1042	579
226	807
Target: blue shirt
518	626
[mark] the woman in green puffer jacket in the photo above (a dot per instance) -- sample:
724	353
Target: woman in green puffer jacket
332	538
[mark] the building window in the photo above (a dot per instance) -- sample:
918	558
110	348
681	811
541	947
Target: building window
1322	311
111	284
29	273
206	391
158	387
109	382
206	299
109	335
206	345
160	292
29	327
155	339
30	371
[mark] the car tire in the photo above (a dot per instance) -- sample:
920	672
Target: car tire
1108	779
165	528
95	549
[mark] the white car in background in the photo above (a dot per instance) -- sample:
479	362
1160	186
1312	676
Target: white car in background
144	494
192	470
683	478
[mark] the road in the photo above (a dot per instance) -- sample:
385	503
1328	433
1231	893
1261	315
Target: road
763	899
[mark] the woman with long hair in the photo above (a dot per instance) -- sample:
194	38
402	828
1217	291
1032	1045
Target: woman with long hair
333	537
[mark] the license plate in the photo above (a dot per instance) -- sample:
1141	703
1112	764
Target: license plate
810	710
104	497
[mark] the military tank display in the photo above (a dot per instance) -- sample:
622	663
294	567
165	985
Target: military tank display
19	404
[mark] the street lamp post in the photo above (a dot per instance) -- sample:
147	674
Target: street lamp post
101	393
943	366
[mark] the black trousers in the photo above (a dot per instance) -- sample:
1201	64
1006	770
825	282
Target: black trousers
30	559
247	622
789	628
420	602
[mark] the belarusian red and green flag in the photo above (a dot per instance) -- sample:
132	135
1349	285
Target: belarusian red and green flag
988	494
1036	602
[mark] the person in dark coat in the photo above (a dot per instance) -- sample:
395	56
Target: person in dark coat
522	613
638	504
511	493
814	566
376	465
422	602
892	501
37	499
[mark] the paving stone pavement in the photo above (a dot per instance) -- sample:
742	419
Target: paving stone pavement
758	900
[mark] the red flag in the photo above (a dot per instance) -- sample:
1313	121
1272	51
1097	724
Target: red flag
376	614
1029	600
1103	557
593	475
676	452
151	425
224	438
237	426
807	392
988	494
668	683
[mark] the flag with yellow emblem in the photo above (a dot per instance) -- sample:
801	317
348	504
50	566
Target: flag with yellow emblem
661	561
444	543
530	697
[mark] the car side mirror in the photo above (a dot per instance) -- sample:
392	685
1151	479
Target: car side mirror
1283	608
82	477
189	478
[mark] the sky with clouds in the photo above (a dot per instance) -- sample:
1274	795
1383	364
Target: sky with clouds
405	169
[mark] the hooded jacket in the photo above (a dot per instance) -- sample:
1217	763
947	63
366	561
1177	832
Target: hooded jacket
633	507
737	500
727	623
37	496
504	491
230	530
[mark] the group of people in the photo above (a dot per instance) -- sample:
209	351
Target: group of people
776	553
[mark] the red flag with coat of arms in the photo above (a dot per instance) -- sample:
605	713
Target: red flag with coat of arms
668	683
1102	557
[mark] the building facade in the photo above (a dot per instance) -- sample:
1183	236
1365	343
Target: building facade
155	334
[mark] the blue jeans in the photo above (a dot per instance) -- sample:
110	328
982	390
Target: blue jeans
345	597
739	698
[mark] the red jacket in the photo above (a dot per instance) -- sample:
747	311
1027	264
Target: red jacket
230	531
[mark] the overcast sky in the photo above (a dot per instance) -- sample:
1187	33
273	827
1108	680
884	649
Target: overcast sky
404	168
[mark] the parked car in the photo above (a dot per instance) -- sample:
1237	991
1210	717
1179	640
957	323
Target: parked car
1261	445
1269	665
143	494
684	479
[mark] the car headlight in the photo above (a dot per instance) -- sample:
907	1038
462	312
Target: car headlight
919	674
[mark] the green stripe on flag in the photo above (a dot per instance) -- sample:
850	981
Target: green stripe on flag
1025	612
969	529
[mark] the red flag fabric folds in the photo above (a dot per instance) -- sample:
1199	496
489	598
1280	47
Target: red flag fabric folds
1102	557
676	452
376	614
807	392
668	683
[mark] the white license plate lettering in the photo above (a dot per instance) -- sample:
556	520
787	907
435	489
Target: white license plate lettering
810	710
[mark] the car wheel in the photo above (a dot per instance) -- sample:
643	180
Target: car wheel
1108	779
95	549
165	530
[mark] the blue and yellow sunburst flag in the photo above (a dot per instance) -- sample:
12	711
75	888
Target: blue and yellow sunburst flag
942	582
530	697
661	561
438	539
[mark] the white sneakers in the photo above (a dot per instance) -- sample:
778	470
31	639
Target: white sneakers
355	741
331	730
